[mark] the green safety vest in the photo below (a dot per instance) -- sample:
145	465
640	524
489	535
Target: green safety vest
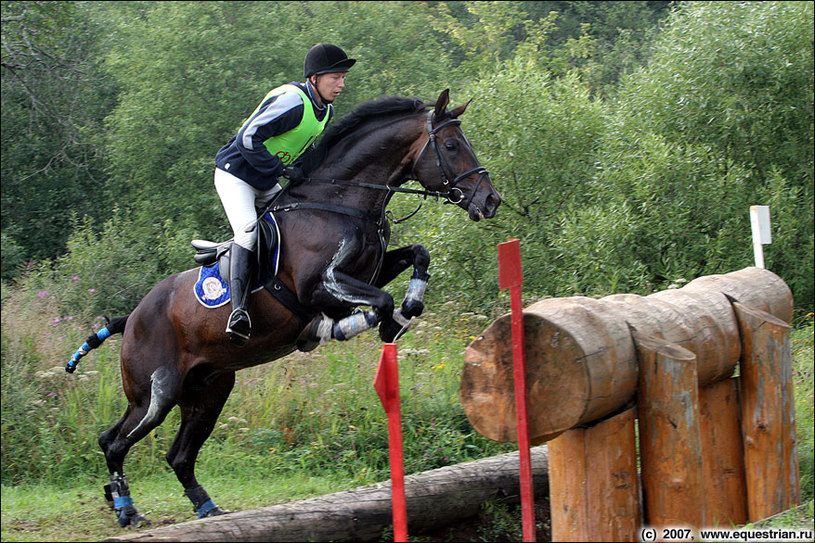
290	145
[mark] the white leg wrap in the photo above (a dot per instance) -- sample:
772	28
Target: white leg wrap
324	329
355	324
416	290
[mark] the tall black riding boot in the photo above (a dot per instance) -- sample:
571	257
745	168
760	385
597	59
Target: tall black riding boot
239	326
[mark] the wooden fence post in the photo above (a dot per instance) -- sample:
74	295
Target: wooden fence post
768	413
593	482
723	454
670	440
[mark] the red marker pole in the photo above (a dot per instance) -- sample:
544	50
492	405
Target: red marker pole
510	276
386	384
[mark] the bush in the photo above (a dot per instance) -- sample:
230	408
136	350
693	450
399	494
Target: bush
13	258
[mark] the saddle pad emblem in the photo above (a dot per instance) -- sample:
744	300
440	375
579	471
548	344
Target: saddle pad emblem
210	289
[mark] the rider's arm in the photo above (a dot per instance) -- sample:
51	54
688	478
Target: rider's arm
277	116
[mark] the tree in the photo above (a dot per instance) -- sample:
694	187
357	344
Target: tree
189	88
720	119
538	137
53	102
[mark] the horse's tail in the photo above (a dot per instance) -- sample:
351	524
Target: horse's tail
114	326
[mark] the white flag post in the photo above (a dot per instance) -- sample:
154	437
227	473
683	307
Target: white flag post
760	223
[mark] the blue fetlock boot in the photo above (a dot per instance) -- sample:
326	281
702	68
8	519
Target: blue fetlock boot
202	504
117	494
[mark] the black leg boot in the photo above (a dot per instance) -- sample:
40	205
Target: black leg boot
239	325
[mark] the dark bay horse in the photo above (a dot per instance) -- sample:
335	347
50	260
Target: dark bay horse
333	258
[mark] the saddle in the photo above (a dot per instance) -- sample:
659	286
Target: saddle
265	273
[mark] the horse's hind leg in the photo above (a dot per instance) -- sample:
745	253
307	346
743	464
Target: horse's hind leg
201	403
115	445
116	442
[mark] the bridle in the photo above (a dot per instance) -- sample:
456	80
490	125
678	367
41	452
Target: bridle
441	163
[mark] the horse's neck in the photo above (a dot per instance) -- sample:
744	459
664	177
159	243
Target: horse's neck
380	157
388	165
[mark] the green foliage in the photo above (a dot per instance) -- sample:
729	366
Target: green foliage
110	272
803	368
720	119
538	137
193	72
53	102
13	258
657	216
737	77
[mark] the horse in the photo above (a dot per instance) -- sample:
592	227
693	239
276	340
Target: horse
332	259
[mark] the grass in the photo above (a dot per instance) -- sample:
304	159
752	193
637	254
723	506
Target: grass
306	425
796	518
77	512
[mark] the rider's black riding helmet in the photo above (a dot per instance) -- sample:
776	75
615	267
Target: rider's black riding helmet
325	58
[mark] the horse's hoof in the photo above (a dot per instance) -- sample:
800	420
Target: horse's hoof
412	308
392	329
128	516
310	337
215	512
389	331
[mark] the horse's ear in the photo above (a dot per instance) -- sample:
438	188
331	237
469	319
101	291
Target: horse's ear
441	103
454	113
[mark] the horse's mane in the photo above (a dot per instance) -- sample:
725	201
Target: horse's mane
379	109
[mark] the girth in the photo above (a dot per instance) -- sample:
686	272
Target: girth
285	296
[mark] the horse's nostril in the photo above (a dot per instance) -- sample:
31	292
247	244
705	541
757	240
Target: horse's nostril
492	202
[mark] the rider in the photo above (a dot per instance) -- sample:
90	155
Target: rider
280	130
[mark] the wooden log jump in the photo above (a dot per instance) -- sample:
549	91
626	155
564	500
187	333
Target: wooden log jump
435	499
705	443
581	358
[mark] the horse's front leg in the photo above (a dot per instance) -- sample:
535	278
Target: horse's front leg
338	290
396	262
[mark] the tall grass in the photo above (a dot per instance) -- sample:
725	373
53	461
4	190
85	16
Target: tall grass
803	362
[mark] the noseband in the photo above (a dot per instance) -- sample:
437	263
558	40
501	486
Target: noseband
441	163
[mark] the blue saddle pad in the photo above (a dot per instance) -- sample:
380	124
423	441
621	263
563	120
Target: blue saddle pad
212	291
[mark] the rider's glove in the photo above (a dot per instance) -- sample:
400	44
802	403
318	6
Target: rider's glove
294	174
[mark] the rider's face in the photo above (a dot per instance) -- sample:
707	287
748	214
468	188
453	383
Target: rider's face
329	86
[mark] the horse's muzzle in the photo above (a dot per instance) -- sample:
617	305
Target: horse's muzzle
484	206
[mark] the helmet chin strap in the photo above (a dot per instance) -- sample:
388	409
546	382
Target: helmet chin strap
322	98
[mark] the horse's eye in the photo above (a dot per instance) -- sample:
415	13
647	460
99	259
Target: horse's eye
450	145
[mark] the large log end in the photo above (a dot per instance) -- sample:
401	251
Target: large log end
580	365
487	387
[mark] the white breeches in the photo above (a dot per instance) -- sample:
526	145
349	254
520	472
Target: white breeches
239	199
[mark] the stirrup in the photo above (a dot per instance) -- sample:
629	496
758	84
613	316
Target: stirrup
238	318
